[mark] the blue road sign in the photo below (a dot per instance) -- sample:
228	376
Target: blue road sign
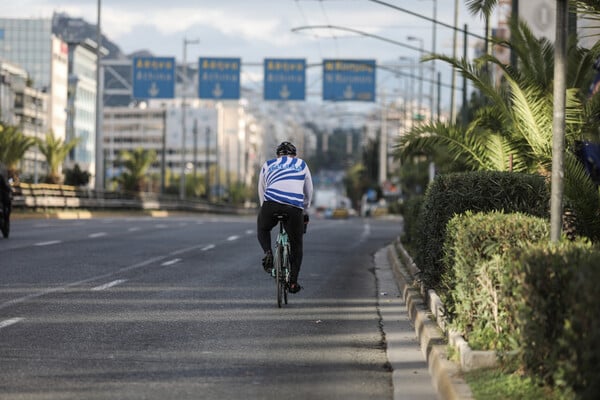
284	79
219	78
349	80
153	77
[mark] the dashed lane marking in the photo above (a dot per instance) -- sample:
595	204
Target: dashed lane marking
109	285
232	238
210	246
96	235
48	243
170	262
9	322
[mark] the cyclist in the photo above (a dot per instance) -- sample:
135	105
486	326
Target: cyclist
284	186
5	189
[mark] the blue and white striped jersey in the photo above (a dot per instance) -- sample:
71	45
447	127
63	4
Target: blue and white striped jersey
286	180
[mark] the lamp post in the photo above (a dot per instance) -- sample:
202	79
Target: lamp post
99	155
186	42
420	104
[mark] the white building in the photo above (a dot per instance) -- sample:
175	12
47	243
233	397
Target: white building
30	44
81	111
219	137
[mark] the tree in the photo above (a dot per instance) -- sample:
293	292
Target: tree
55	150
513	129
136	162
13	145
76	176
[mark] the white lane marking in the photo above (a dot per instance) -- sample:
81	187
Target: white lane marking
109	285
135	228
249	232
160	226
170	262
96	235
366	232
78	283
48	243
9	322
210	246
231	238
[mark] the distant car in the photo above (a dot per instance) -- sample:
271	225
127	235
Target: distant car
340	212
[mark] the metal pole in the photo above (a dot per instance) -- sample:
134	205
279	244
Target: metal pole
99	161
433	49
558	126
183	122
383	142
207	163
454	40
195	147
183	116
464	91
163	154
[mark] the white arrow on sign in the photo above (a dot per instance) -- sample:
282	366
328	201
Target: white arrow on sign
348	93
153	91
217	91
284	93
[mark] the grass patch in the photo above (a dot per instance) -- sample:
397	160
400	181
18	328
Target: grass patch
496	384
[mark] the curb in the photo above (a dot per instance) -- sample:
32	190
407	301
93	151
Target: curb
446	374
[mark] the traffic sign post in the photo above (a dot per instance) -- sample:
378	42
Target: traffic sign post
154	77
349	80
219	78
284	79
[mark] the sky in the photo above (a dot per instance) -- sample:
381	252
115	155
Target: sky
258	29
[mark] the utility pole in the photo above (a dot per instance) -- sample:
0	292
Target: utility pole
183	116
99	162
558	125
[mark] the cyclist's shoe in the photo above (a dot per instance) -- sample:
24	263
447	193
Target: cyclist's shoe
267	262
294	287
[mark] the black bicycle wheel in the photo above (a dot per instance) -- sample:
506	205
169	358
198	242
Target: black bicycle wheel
5	225
286	274
278	273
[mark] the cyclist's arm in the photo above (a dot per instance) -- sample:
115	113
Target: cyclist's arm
308	189
261	186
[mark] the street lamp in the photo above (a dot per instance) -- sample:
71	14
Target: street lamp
420	40
186	42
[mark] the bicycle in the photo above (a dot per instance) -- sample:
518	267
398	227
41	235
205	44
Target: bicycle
281	262
5	210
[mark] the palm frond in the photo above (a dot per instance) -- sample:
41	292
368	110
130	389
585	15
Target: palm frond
533	119
503	155
460	145
478	78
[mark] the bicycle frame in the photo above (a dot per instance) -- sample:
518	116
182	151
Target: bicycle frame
282	263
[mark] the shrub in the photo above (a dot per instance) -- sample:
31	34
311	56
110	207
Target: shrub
560	317
477	191
410	214
477	286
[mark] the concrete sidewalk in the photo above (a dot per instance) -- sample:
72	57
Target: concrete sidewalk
416	347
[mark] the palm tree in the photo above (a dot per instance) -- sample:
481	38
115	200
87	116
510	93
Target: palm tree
136	162
55	150
513	130
13	145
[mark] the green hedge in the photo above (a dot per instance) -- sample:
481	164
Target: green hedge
410	214
478	288
560	315
477	191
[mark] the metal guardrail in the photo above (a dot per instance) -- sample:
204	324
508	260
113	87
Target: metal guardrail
48	196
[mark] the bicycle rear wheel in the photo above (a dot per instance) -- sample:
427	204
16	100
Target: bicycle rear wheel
5	224
285	279
279	279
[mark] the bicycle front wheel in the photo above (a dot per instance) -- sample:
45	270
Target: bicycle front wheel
279	278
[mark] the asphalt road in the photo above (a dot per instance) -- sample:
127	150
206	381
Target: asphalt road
179	308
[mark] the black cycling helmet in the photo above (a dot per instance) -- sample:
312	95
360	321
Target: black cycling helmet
286	149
